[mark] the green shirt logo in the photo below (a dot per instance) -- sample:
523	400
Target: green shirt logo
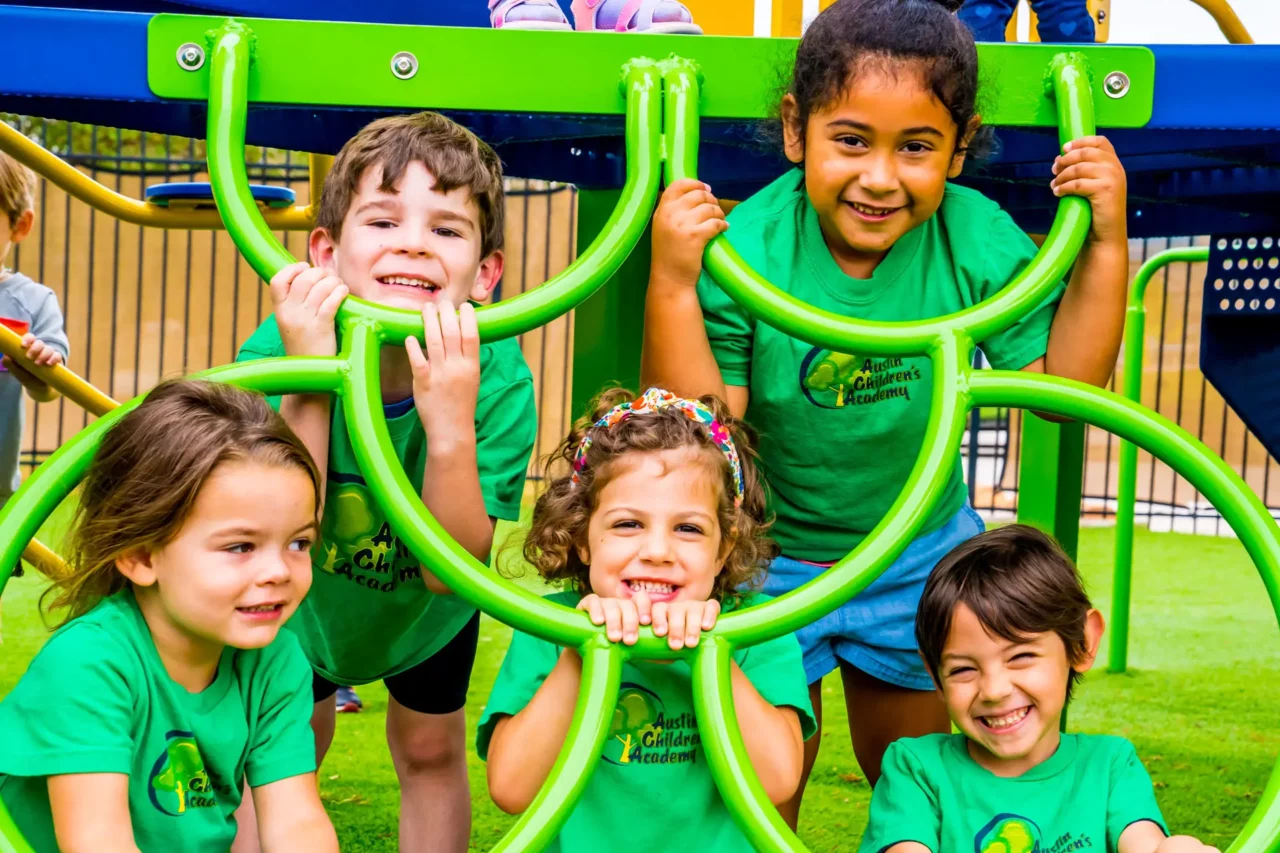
642	732
357	542
834	380
178	778
1008	833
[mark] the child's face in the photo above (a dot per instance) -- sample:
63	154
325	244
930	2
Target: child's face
239	566
409	247
656	529
1008	697
876	162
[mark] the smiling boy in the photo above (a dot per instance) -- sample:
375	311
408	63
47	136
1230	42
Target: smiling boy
1006	630
411	217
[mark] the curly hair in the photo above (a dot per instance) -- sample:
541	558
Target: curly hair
563	511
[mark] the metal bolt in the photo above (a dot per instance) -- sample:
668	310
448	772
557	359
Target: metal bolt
1102	15
1116	84
404	65
191	57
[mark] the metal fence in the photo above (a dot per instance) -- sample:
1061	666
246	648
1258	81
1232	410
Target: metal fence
142	304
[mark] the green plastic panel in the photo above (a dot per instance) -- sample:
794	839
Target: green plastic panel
740	72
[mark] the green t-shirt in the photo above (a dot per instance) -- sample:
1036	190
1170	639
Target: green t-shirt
828	495
653	773
933	792
97	699
369	615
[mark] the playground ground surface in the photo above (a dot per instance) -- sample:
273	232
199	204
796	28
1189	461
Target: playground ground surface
1198	702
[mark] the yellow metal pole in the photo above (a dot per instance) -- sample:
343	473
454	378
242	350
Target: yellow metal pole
122	207
318	166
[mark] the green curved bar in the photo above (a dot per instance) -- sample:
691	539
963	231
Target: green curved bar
834	331
54	479
1135	326
228	110
948	407
1242	509
11	841
727	757
598	696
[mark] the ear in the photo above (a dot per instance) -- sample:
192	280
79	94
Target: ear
584	554
1094	625
966	138
792	132
136	566
22	228
323	249
487	277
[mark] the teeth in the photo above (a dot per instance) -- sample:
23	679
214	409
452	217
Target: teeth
409	282
1007	720
261	608
871	211
650	586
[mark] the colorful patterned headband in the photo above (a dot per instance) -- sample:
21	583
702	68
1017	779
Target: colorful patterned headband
655	399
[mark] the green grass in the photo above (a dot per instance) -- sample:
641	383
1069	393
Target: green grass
1198	703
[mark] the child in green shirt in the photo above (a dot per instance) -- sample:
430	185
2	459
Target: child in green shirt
170	684
880	115
411	217
1006	630
658	523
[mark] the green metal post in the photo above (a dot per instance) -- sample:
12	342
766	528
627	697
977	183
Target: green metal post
1050	477
1135	320
608	328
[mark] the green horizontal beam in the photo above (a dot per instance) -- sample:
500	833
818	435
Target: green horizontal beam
526	72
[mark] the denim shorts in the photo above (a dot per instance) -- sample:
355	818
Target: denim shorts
876	630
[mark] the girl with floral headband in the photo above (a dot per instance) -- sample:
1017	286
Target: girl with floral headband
659	521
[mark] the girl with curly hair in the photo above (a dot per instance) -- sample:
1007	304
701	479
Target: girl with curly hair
660	521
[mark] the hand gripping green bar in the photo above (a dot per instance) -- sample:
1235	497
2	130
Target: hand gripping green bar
1135	322
957	389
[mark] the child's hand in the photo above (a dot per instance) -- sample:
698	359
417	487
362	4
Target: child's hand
681	622
446	375
688	218
1089	167
1184	844
38	352
306	300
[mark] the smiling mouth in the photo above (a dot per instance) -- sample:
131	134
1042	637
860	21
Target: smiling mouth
263	608
1005	722
650	587
408	281
869	211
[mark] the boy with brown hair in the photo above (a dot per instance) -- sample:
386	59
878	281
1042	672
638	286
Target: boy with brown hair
28	308
411	216
1006	630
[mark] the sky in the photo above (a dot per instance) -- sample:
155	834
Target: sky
1183	22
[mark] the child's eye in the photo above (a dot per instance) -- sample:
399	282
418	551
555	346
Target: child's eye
302	543
239	548
960	671
447	232
382	223
851	141
689	528
1024	656
916	148
627	524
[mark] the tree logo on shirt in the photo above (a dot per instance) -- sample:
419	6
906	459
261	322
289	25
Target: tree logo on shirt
837	380
642	732
1008	833
178	779
356	542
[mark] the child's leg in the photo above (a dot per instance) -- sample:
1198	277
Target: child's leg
790	810
427	734
1064	21
880	713
634	16
527	15
988	18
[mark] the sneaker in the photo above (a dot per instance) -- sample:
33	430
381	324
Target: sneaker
348	702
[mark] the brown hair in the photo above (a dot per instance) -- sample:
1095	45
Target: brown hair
17	188
563	511
149	470
1017	581
453	155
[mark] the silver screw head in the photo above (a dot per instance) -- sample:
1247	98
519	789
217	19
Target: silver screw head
191	57
1116	84
404	65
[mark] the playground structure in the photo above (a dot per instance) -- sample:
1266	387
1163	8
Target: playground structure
667	112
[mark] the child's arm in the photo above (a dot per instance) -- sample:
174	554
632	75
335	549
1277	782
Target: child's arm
291	817
91	813
772	737
524	747
39	353
1085	337
446	381
677	354
1146	837
305	300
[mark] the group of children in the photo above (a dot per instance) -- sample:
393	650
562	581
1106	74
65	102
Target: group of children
169	712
